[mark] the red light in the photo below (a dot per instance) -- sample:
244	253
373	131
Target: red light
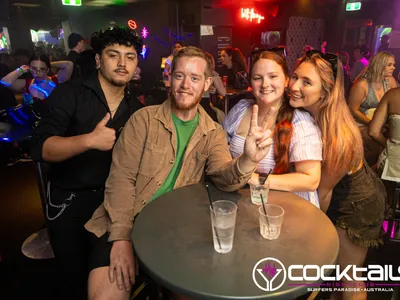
249	15
132	24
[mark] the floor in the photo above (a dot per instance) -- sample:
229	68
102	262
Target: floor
21	214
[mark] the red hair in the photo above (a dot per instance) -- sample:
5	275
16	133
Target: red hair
284	128
282	136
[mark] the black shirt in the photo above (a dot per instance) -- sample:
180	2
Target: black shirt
75	58
224	71
75	108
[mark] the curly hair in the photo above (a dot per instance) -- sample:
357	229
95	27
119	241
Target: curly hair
115	35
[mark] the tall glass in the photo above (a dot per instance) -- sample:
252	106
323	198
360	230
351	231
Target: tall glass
258	189
223	220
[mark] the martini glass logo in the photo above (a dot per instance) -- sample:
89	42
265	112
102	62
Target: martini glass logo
266	274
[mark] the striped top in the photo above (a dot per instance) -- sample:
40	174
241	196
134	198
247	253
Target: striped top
306	143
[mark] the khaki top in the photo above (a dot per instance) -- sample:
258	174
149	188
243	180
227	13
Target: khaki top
143	157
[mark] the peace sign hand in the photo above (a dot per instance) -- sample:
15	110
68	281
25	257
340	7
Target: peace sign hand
259	138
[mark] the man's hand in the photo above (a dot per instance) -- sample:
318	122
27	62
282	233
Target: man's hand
259	138
122	265
102	138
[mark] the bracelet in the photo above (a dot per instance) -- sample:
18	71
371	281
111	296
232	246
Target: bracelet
5	83
21	72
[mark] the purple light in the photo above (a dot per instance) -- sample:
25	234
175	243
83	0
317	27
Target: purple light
145	32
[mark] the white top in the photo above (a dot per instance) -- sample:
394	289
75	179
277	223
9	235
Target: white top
305	144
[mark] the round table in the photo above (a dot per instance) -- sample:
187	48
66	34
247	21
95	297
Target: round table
172	239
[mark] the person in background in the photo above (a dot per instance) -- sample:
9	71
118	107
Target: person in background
216	88
305	49
76	136
7	97
162	148
57	53
233	62
76	43
384	43
388	113
374	81
41	85
350	189
344	59
366	93
8	60
296	153
87	63
22	57
360	54
168	63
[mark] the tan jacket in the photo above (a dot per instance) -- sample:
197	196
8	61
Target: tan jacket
143	157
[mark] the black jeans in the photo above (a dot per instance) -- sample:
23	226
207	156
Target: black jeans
69	238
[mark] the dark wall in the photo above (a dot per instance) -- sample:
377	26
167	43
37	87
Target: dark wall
244	34
156	18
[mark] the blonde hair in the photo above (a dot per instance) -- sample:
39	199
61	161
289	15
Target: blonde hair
341	138
376	67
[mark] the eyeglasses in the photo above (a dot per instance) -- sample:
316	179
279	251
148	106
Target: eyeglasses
329	57
37	71
279	50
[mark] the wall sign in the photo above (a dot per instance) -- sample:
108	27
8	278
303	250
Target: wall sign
132	24
249	15
145	32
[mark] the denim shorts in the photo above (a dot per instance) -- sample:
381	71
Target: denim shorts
358	205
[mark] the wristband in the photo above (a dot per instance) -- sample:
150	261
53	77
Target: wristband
21	72
5	83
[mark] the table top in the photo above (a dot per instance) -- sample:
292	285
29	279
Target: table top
172	239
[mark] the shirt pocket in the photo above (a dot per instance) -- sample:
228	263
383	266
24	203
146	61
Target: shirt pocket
152	159
196	167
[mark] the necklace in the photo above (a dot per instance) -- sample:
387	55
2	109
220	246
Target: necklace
116	106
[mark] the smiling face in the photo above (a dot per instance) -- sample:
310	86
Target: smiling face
305	87
268	81
117	64
389	69
189	82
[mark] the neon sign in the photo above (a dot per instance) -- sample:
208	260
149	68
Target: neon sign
249	15
145	32
132	24
144	51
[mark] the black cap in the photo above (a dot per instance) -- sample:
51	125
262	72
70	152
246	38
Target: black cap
74	39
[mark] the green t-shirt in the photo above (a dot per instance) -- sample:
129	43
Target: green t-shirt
184	132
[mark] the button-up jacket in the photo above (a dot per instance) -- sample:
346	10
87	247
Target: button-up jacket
144	156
